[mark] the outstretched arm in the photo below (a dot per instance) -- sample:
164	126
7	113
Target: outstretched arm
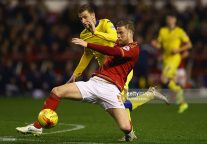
156	44
102	49
84	61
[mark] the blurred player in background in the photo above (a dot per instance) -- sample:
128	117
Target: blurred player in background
102	32
174	42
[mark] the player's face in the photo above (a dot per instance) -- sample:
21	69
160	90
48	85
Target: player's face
123	35
171	21
86	18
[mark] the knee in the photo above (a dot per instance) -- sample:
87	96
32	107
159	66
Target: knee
56	91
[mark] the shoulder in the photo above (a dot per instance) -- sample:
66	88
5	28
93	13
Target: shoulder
129	46
105	22
179	29
134	45
163	29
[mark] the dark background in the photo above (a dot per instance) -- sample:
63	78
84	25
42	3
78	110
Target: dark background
36	53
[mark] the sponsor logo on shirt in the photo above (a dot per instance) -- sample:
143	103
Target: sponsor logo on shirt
127	48
112	27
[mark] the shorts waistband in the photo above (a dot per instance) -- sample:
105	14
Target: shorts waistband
101	79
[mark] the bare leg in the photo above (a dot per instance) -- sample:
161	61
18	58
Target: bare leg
124	123
68	90
121	118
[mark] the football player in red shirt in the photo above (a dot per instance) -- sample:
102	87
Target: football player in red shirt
106	83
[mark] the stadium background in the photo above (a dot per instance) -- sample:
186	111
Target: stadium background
36	53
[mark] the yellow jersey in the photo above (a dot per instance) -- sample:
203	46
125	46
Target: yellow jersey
171	39
105	34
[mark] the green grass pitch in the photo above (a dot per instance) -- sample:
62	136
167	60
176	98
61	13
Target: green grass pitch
153	123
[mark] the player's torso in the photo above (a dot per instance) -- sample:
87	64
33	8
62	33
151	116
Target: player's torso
172	60
171	39
118	68
89	37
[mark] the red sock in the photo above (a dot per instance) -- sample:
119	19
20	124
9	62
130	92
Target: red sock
51	103
37	124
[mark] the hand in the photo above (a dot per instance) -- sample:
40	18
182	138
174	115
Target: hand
175	51
80	42
72	79
91	25
154	43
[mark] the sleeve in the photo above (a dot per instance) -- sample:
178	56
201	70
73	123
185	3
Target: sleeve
117	51
129	52
110	34
84	61
184	37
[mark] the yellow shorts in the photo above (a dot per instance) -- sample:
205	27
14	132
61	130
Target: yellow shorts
170	66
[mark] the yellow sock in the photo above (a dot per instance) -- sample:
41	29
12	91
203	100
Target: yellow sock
179	91
173	86
141	99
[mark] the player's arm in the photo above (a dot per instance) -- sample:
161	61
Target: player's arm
84	61
186	42
185	47
156	44
116	51
110	34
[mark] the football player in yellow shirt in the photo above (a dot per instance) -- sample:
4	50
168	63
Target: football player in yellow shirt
174	41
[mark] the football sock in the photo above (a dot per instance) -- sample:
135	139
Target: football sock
133	103
37	124
173	86
178	89
50	103
180	97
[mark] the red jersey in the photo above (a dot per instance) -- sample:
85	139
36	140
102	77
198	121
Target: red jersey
118	64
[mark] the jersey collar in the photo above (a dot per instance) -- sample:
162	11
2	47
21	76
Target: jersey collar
97	22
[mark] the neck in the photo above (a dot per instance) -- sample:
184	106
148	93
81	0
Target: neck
171	27
131	41
127	42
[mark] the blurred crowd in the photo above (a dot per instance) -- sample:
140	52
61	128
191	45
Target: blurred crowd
36	53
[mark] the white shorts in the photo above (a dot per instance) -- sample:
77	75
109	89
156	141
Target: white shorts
98	90
181	77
